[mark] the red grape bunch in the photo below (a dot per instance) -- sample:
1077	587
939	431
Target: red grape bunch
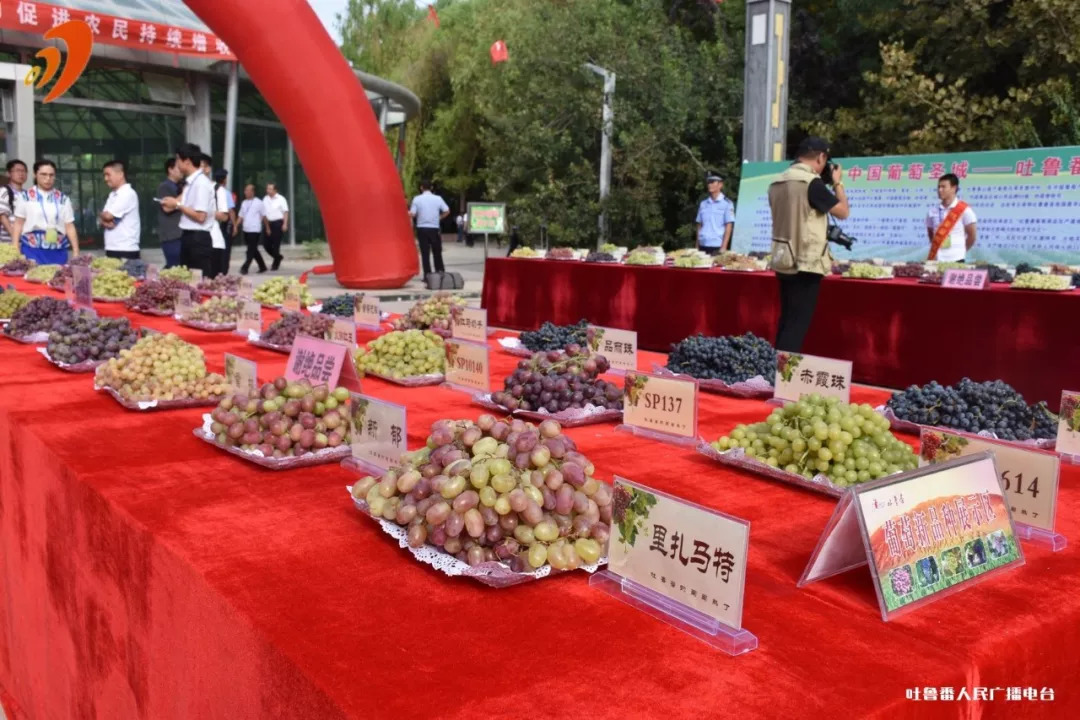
555	381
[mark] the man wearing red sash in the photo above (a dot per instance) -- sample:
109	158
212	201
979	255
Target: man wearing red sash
951	225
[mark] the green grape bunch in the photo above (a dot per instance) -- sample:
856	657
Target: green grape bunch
847	443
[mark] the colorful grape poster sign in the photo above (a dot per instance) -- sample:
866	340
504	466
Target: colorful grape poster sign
379	431
660	404
924	534
798	375
1068	436
619	347
1029	475
688	553
323	362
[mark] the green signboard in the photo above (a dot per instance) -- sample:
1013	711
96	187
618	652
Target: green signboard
486	218
1027	203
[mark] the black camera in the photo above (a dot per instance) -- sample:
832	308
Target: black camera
826	174
841	238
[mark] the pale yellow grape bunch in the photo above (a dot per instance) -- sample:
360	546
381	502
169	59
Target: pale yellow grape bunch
692	259
11	301
9	252
272	292
113	284
178	272
867	271
106	263
161	367
403	353
42	273
1036	281
218	310
432	312
526	252
847	443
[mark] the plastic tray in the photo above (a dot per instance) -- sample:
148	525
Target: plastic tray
253	339
84	366
915	428
109	299
513	346
152	311
492	574
31	339
206	327
319	457
737	458
144	405
755	387
413	381
589	415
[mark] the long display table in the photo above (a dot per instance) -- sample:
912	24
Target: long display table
897	332
147	575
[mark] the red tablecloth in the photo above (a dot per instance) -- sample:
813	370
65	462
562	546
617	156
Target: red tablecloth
897	332
148	575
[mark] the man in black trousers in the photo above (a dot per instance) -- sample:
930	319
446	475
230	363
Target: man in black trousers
801	204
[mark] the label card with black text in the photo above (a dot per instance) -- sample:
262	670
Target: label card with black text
467	366
1029	476
250	318
619	347
798	375
83	280
470	323
242	374
1068	436
246	290
380	434
183	303
343	331
660	404
196	277
366	311
291	303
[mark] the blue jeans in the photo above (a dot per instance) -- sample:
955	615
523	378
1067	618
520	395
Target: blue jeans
171	248
44	257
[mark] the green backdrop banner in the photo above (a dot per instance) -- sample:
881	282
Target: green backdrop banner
1027	203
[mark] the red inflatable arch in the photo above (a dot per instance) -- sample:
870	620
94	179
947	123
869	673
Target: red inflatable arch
304	78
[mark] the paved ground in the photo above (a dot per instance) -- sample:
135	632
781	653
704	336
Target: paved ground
457	258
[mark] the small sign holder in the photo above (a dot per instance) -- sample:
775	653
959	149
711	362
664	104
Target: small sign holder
1068	434
468	367
703	626
83	286
1014	463
366	312
634	397
380	434
619	347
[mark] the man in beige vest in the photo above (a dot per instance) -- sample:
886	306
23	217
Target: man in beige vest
801	203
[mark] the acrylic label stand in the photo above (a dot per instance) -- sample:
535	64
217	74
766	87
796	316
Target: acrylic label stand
653	402
708	630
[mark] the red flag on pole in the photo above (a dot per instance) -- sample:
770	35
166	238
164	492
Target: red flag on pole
499	53
432	15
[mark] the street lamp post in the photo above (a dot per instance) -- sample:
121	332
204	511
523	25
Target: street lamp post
605	145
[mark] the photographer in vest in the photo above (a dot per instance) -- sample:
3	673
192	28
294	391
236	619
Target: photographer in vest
951	225
801	204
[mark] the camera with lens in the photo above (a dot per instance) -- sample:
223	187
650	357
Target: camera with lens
826	174
841	238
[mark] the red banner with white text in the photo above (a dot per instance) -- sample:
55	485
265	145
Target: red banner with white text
39	17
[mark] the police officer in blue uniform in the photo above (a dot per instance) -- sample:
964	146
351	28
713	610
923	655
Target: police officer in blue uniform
715	217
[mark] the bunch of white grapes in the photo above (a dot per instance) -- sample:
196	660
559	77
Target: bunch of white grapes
403	353
161	367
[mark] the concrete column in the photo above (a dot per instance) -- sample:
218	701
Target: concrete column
768	32
229	161
198	116
290	194
20	136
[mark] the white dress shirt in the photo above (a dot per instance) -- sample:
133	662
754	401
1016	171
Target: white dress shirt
198	194
252	213
123	205
275	207
221	202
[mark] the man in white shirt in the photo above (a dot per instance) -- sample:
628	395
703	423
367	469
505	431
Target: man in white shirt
428	209
461	227
196	204
17	171
951	225
251	217
277	222
218	242
120	218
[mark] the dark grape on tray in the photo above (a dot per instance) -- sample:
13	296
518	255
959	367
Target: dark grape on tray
555	337
732	359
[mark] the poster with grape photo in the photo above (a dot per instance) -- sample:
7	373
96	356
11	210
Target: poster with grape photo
933	532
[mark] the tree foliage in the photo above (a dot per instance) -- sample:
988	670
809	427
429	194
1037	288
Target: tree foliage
875	76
